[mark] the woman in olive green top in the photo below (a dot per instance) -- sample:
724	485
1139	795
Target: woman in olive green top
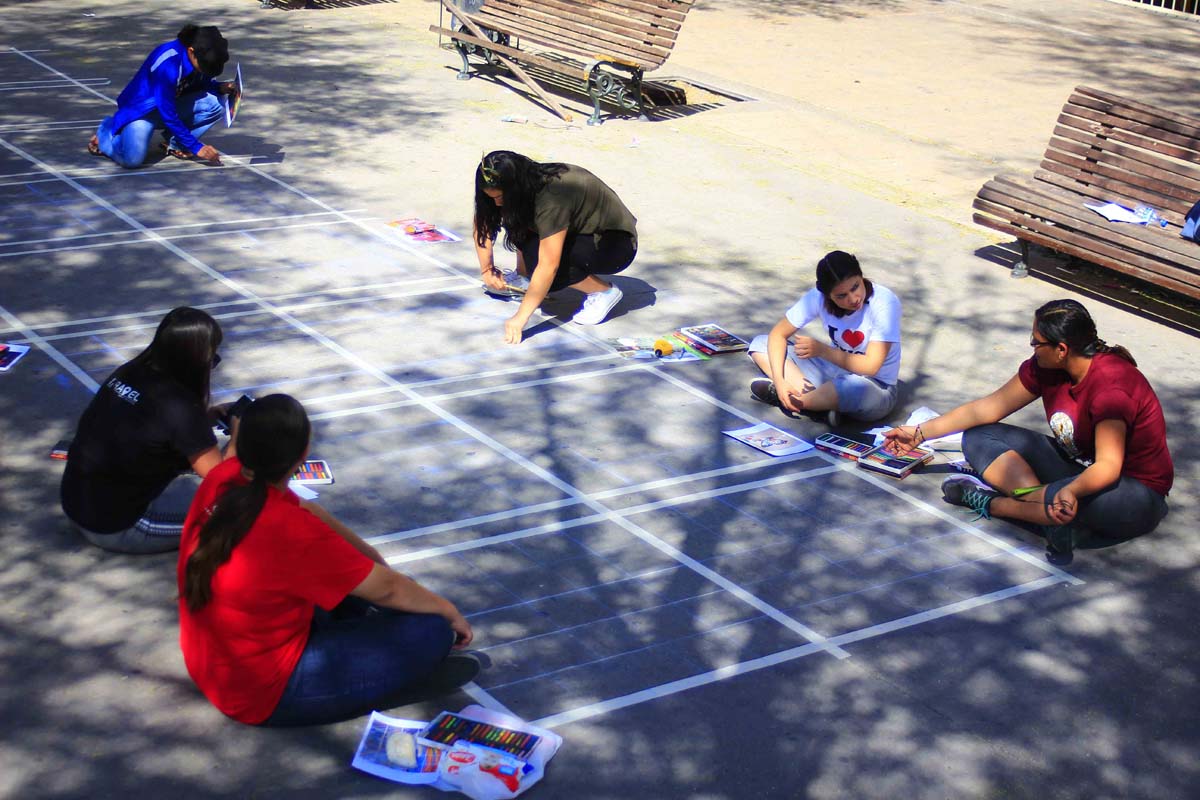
566	226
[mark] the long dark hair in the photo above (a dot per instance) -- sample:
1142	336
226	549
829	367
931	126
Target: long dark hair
183	348
520	179
1068	322
271	440
834	268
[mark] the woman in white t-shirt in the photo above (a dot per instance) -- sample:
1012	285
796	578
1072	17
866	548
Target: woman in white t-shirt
856	371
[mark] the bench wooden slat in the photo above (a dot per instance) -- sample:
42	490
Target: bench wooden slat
669	10
1189	123
1084	170
1166	142
1106	194
621	21
1108	154
1067	230
1132	145
578	38
608	44
1062	207
1100	255
1134	150
1173	124
571	68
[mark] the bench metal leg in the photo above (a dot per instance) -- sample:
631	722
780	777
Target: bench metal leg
626	94
464	74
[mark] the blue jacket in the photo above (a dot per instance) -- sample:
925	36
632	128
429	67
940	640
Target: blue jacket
165	74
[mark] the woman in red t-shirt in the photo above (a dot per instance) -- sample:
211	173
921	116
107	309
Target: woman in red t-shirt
286	616
1106	471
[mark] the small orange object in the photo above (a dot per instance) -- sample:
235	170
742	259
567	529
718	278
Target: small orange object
662	347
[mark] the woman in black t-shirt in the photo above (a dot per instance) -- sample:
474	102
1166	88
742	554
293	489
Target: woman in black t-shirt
127	484
566	226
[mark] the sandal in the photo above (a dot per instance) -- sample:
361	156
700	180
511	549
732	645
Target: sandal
93	146
182	155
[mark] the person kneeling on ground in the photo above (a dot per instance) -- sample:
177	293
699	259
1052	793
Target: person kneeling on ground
1105	473
286	616
175	89
128	482
566	226
857	372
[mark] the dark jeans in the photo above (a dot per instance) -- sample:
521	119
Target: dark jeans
357	657
1124	510
606	253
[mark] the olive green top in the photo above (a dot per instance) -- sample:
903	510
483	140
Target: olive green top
580	203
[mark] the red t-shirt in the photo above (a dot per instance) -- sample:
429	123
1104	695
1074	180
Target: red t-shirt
1112	389
242	647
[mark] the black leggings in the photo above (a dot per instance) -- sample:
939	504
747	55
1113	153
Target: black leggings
606	253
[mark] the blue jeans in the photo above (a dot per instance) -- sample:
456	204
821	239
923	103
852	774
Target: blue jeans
128	146
1124	510
359	657
858	396
160	526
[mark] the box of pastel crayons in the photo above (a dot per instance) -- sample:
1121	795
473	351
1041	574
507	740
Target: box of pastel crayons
448	728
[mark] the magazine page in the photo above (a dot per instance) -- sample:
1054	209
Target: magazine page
770	440
714	336
414	229
389	749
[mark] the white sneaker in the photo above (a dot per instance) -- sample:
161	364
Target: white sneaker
596	306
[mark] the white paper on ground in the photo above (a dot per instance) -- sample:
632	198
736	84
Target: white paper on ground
302	491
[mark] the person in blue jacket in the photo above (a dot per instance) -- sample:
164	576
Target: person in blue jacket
174	89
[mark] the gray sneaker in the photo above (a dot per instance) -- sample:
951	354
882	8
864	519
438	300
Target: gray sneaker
963	490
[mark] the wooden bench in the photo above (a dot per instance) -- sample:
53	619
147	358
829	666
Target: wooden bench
606	44
1107	147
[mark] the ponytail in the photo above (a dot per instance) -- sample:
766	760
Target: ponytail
272	438
1100	346
231	520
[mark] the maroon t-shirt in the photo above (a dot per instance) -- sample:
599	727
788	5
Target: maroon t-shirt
1112	389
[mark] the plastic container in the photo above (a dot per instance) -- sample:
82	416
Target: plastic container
1150	217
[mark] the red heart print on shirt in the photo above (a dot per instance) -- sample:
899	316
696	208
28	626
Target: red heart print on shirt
853	338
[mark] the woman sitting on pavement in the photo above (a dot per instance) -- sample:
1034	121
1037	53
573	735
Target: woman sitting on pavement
128	482
286	616
1106	472
857	372
566	226
175	89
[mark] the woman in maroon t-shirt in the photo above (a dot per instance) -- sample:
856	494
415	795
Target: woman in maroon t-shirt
1106	470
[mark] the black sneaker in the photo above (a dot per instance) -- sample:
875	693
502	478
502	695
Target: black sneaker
763	390
963	490
834	418
1060	544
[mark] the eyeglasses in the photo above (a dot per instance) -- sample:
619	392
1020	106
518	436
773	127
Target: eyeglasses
1035	344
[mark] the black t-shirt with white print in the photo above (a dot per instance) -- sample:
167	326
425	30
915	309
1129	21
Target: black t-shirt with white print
139	432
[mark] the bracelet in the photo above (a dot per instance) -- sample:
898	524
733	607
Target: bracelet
921	434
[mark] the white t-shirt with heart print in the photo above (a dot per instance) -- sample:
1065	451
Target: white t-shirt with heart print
877	321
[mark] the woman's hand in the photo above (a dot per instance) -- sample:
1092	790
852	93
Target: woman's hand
514	329
209	153
807	347
493	279
463	635
228	87
899	441
1062	509
789	396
